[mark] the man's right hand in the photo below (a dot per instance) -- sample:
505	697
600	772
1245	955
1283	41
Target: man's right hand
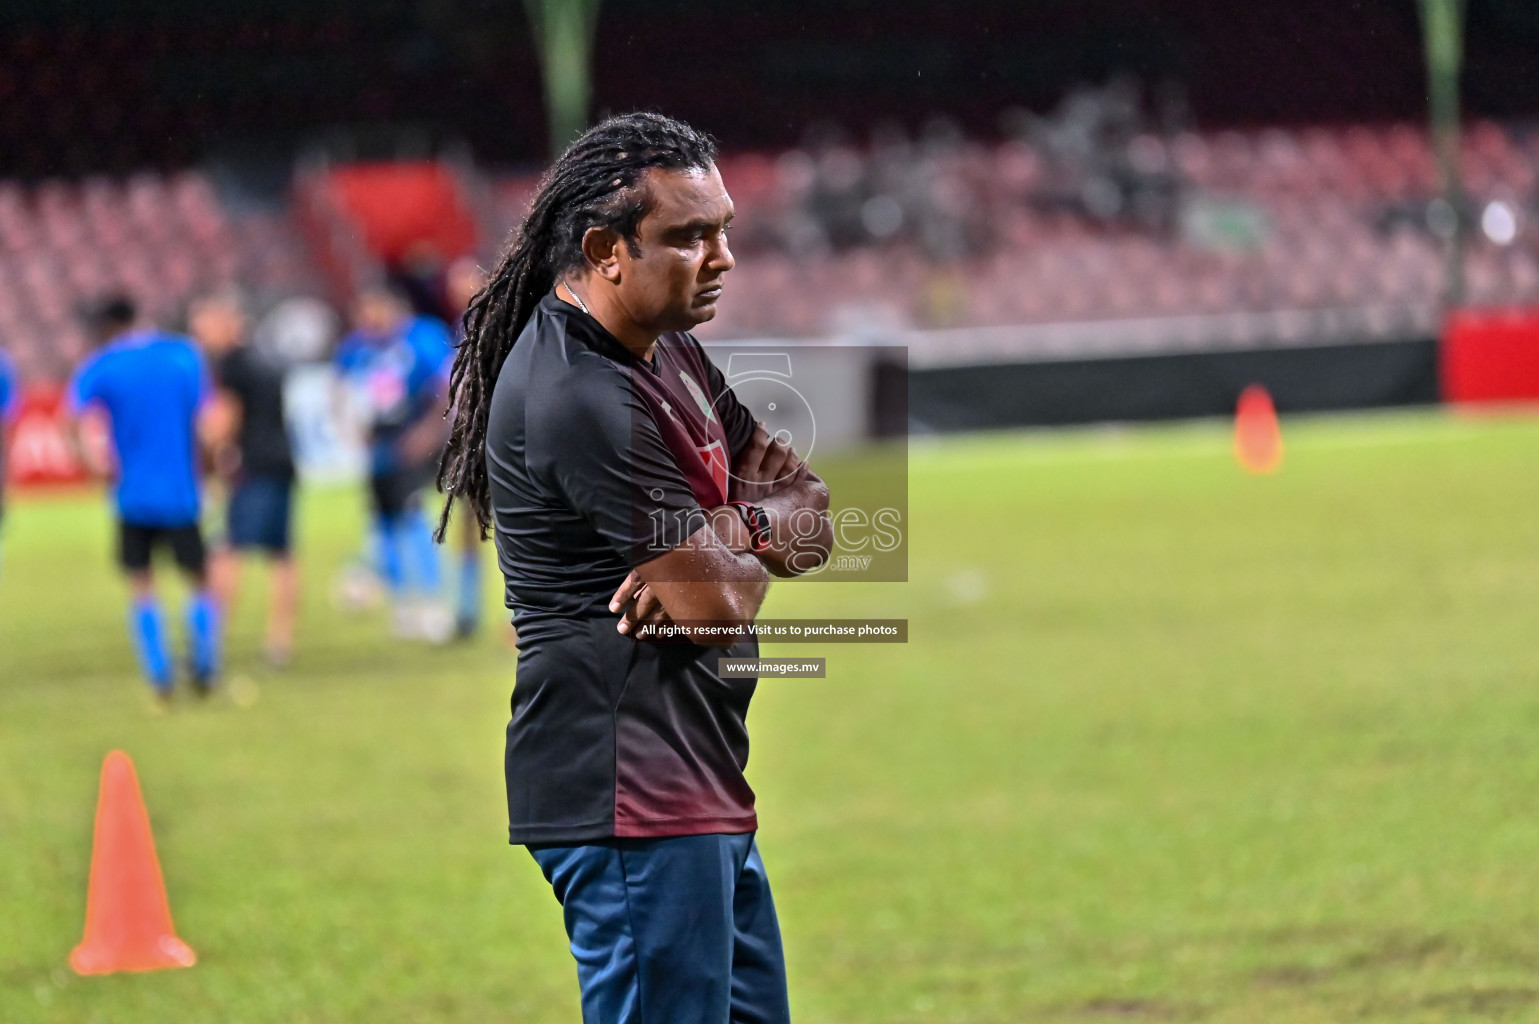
641	607
764	467
638	606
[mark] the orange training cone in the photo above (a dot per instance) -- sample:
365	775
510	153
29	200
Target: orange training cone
1257	437
128	919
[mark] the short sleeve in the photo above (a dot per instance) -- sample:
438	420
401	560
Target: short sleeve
8	390
440	344
433	353
736	421
83	387
345	358
597	445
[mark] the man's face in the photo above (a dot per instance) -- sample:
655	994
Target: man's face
217	325
675	283
378	313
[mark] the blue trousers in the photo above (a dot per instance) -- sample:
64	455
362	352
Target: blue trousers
679	930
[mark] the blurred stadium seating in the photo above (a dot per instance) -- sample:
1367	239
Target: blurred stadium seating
1085	217
1065	226
1266	221
160	237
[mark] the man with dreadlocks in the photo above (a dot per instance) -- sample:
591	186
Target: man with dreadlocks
628	489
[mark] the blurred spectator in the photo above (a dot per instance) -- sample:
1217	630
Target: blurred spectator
394	367
250	437
152	388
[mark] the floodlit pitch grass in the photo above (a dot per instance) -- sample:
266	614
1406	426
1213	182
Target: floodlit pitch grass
1169	742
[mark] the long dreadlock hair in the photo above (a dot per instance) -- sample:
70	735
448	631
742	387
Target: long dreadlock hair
595	183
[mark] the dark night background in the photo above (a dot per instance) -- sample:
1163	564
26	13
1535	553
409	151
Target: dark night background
113	85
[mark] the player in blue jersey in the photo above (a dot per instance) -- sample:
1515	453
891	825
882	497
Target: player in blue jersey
10	400
152	387
394	367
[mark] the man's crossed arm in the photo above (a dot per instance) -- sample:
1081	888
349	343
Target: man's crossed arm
771	475
714	578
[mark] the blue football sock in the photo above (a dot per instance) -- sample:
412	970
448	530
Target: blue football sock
376	551
150	643
203	634
424	553
392	564
412	538
468	609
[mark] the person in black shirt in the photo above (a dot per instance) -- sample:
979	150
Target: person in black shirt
594	436
253	455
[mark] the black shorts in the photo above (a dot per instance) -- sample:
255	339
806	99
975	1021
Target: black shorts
394	492
136	545
260	512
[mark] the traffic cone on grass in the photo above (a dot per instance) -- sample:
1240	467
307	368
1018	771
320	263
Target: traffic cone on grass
128	919
1257	436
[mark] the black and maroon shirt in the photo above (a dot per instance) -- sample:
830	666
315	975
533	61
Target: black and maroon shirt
600	461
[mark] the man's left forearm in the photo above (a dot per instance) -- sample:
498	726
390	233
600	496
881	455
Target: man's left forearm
802	534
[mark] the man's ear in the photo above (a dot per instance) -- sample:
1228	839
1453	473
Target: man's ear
601	248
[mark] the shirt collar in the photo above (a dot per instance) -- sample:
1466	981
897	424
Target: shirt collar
598	335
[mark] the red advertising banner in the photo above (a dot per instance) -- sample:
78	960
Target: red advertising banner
399	205
40	453
1491	356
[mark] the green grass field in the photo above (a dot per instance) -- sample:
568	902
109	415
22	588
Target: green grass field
1169	742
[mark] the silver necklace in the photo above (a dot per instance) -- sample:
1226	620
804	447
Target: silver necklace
580	303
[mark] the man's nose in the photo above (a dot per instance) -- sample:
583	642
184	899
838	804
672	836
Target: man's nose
721	259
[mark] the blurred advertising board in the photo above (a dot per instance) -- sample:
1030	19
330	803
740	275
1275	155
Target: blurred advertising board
40	454
1491	356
